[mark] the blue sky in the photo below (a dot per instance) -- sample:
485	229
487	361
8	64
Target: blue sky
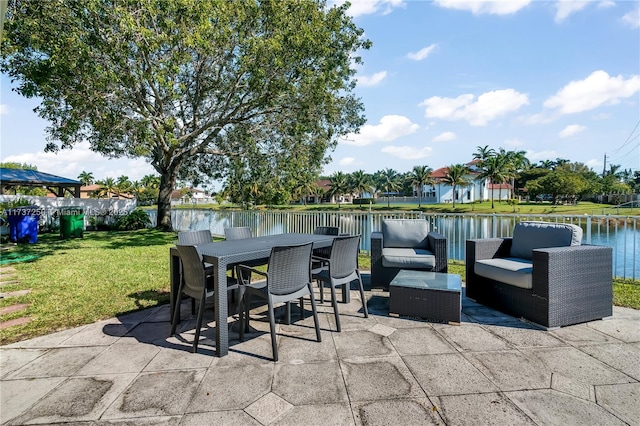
551	78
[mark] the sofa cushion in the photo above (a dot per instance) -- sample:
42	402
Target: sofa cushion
408	258
533	235
405	233
508	270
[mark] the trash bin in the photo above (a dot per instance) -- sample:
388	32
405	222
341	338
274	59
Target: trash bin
71	222
23	223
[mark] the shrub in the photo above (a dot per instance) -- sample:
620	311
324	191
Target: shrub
137	219
364	201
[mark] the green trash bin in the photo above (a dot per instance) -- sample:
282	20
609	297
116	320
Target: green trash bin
71	222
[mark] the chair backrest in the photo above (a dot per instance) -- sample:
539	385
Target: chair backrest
326	230
405	233
193	238
192	270
238	233
529	235
344	256
289	268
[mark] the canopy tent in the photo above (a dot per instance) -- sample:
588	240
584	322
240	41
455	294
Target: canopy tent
11	178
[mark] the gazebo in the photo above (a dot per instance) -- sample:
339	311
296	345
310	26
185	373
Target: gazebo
11	178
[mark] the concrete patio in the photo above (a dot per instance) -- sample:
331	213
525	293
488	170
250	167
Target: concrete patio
491	369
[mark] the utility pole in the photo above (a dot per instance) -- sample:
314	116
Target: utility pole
604	169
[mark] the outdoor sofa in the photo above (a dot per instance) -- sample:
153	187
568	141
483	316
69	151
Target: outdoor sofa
542	274
405	244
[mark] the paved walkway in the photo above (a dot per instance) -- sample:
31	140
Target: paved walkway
492	369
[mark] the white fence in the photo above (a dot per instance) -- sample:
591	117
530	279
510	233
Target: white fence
104	210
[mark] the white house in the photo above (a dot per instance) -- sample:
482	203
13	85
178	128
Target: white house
477	190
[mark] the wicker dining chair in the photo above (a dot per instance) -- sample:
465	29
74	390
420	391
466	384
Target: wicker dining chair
238	233
288	278
341	270
193	238
194	284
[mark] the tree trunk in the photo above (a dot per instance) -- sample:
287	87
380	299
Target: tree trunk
453	196
167	184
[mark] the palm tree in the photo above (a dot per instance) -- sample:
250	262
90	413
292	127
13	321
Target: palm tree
389	180
494	170
545	164
419	177
455	176
304	189
517	162
86	178
124	184
483	152
150	181
360	182
107	187
338	185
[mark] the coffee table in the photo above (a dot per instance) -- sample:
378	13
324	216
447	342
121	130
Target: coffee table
433	296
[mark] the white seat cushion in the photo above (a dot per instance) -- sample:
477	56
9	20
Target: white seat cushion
408	258
508	270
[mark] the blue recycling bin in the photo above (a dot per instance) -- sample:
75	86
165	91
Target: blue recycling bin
23	223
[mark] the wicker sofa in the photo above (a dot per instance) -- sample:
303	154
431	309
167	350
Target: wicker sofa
542	274
405	244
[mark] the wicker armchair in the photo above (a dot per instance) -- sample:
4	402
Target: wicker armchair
405	244
557	285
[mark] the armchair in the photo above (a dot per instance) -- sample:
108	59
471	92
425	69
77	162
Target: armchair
405	244
542	274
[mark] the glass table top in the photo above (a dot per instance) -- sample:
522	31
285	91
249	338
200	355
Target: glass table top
427	280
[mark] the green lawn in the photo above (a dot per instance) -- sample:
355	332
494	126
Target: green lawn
80	281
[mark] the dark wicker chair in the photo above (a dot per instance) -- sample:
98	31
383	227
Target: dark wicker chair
238	233
568	284
288	278
194	284
342	270
405	244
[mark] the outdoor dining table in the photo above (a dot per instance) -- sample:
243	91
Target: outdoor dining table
224	253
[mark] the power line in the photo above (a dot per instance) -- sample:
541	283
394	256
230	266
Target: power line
629	139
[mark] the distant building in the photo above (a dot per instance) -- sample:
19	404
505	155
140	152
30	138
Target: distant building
92	191
190	196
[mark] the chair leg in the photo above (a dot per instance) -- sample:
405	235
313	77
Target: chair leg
272	326
243	310
302	308
176	313
315	313
334	302
364	301
288	313
321	288
193	306
199	322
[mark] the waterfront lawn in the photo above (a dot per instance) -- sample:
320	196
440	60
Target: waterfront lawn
105	274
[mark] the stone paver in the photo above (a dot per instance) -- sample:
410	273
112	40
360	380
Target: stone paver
491	369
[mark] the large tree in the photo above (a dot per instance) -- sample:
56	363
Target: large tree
197	87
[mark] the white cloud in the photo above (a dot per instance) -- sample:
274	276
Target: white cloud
514	142
596	90
571	130
391	127
372	80
604	4
347	161
487	107
534	156
368	7
478	7
70	163
564	8
4	109
407	152
422	53
632	18
593	163
443	137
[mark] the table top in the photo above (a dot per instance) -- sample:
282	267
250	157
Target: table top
259	247
427	280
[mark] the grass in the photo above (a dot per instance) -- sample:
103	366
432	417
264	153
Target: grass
105	274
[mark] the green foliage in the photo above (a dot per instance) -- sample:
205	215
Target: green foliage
137	219
200	89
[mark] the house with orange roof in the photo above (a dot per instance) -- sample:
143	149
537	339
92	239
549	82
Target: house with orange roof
477	190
